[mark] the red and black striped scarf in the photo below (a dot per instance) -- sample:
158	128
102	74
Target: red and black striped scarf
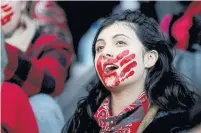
127	121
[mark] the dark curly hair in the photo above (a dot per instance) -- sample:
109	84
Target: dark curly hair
163	85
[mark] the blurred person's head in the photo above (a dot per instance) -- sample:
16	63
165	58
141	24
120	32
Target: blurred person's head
126	5
11	13
3	58
51	18
49	12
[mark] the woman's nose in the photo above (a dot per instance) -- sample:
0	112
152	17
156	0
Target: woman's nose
107	55
108	52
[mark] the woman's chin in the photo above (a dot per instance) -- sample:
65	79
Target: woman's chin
113	87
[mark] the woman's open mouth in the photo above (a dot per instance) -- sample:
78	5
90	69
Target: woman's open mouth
109	67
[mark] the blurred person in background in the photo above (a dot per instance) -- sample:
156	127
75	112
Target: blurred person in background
138	89
184	31
17	115
168	7
38	61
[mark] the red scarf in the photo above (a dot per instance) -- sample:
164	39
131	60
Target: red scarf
127	121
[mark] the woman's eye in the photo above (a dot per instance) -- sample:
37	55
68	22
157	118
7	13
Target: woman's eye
99	48
120	43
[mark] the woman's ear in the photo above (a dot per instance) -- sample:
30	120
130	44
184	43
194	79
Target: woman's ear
150	58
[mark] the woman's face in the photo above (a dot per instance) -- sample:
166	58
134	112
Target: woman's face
10	15
119	56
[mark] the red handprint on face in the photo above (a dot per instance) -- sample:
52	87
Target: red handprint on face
7	10
107	71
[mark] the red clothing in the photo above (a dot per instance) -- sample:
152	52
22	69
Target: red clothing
43	67
183	25
127	121
16	112
179	29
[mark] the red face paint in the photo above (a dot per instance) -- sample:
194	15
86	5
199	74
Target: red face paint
128	68
118	58
131	73
104	76
121	55
127	59
121	59
8	11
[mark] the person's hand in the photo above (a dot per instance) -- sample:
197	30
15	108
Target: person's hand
22	37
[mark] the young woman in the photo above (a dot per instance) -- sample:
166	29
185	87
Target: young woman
138	89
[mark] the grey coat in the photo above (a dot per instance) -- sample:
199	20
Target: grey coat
189	64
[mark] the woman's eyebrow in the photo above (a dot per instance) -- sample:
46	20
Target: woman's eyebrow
99	40
120	35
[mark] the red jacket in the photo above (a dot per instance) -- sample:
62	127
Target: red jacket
16	112
43	67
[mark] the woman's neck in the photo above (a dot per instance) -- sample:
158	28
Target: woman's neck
128	94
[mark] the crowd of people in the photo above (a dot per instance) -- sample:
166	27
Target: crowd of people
132	73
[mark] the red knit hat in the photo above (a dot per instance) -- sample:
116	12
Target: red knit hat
49	12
